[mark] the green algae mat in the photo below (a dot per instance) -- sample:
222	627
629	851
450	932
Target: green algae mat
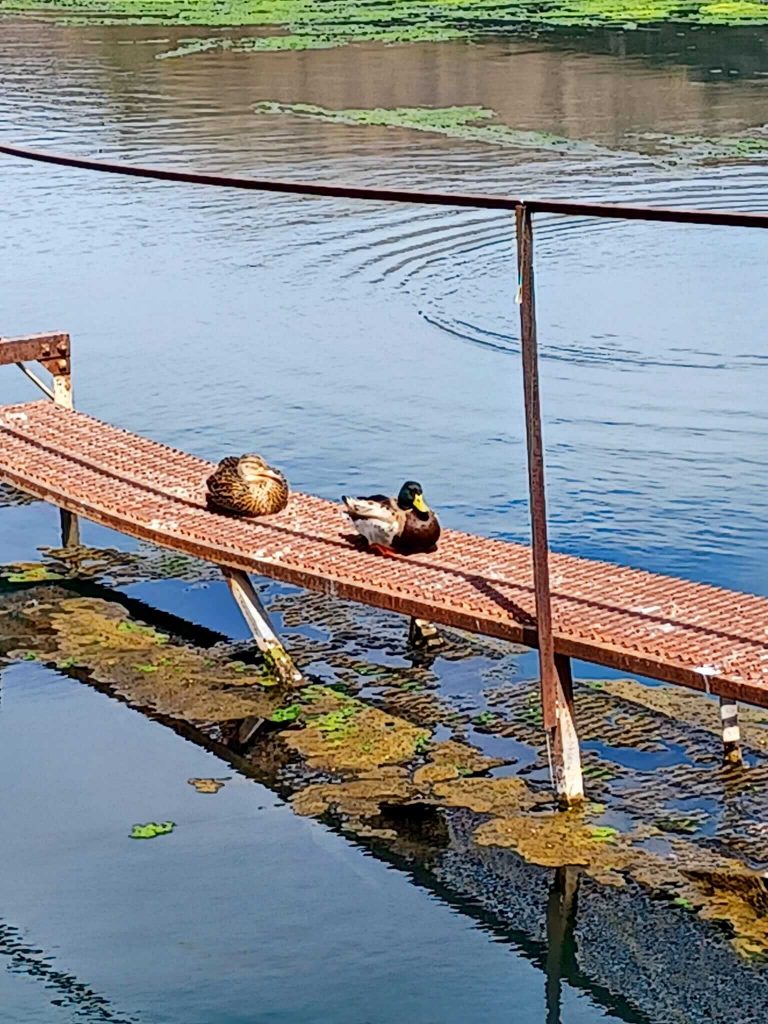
363	750
476	124
152	829
308	24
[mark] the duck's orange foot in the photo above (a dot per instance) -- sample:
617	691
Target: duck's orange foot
380	549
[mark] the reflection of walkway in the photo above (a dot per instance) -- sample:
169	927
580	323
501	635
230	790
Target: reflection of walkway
85	1004
243	745
532	909
669	629
561	948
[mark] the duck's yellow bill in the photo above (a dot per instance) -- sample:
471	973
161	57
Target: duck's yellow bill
419	504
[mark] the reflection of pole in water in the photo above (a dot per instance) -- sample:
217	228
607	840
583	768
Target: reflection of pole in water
561	944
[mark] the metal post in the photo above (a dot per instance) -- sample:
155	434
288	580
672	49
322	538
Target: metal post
423	635
566	756
257	618
557	704
729	723
561	921
62	395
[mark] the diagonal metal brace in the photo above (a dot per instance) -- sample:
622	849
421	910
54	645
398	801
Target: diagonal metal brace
255	614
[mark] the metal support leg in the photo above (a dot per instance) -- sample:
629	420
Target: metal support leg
729	723
564	750
423	635
70	525
556	690
70	529
257	618
561	921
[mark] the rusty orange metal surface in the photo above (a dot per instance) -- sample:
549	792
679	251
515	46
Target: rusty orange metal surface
682	632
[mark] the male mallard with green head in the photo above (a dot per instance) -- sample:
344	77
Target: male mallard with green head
246	486
405	524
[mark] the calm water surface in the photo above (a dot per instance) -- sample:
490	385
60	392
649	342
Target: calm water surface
356	345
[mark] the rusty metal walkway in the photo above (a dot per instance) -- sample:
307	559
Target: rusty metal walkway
681	632
697	636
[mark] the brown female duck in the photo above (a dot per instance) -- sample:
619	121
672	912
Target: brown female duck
405	524
246	486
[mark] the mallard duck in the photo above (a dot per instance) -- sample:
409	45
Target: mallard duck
246	486
405	524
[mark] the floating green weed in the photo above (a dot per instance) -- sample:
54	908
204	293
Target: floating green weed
139	663
208	785
603	833
421	746
364	668
29	573
397	19
750	145
598	771
469	123
681	825
312	693
137	629
411	686
152	829
484	720
286	715
532	711
335	725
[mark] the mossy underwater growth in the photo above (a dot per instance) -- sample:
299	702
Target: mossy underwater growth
348	20
320	24
344	734
358	763
211	786
477	124
681	705
750	145
469	123
139	663
152	829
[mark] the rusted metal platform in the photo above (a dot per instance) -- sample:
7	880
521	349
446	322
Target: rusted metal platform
681	632
601	612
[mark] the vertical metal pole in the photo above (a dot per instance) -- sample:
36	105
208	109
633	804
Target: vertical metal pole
729	724
561	945
62	395
557	708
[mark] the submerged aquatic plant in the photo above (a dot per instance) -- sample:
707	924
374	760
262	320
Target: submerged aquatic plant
319	24
152	829
371	760
354	19
28	572
478	124
748	145
207	785
139	662
469	123
285	715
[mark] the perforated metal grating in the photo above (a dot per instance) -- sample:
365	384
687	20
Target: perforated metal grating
682	632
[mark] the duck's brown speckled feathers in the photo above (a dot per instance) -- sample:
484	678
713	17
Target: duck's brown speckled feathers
246	486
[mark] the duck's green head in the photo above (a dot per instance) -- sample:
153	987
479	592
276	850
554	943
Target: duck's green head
412	496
